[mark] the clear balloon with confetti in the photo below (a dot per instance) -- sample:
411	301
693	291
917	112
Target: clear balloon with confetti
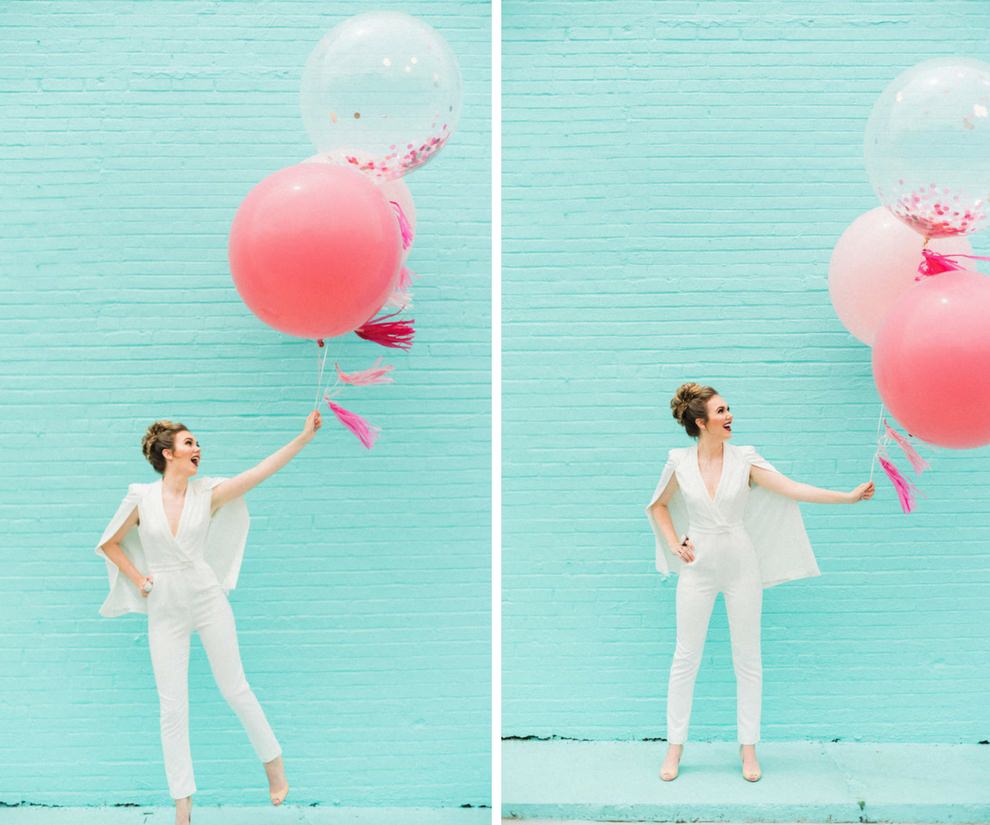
381	92
926	147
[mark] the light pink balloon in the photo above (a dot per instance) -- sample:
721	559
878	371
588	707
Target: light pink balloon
392	190
315	250
931	360
874	262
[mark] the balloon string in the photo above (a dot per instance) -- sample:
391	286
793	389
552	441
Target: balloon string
877	452
321	365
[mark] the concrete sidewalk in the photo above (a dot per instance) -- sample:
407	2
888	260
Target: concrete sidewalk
803	781
231	815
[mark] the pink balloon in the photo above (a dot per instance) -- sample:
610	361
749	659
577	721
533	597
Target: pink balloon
875	261
931	360
392	190
315	250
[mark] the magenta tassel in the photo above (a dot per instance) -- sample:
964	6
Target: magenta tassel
934	263
404	227
919	464
905	489
366	432
396	334
375	374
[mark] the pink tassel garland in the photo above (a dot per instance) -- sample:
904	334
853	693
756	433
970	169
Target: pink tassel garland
905	489
375	374
934	263
405	278
917	462
365	431
404	226
396	334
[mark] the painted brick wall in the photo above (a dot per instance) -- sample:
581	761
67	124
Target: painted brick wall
675	176
131	133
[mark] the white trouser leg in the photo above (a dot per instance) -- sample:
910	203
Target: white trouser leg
168	640
744	604
696	592
219	636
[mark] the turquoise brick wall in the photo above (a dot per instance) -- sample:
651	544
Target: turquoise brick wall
131	133
675	177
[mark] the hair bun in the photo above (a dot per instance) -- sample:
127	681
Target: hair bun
686	393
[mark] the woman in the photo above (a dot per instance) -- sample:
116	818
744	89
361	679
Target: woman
721	536
177	567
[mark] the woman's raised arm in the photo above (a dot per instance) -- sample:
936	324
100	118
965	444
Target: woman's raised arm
238	485
779	483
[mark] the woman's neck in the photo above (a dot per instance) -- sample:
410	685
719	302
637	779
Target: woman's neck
710	449
175	485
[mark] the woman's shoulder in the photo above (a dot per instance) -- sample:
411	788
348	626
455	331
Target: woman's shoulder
140	489
675	454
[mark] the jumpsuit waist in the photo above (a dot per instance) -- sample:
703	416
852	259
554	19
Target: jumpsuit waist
172	566
720	528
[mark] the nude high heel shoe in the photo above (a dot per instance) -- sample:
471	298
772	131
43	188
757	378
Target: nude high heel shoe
668	771
750	776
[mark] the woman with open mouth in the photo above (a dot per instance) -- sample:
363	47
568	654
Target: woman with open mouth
177	567
721	536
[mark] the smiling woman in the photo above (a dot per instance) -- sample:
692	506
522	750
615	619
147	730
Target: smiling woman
178	566
721	537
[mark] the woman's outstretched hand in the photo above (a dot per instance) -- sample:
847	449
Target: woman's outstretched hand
864	492
313	422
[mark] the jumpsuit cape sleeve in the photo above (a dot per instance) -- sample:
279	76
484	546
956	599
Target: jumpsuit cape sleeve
773	522
666	561
776	528
225	543
124	596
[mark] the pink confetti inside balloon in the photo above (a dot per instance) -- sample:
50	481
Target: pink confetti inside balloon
926	146
381	92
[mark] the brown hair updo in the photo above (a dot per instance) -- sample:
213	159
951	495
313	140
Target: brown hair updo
159	437
691	402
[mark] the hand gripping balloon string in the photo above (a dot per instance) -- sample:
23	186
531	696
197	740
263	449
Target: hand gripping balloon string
935	263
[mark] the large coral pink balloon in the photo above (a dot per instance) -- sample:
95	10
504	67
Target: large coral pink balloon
931	360
392	190
315	250
874	262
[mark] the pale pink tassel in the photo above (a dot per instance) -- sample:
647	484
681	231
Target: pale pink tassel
919	464
905	489
399	299
396	334
375	374
404	226
405	278
366	432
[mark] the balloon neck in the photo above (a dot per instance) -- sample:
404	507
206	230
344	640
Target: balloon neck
320	342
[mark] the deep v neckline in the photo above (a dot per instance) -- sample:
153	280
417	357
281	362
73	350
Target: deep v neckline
182	513
718	485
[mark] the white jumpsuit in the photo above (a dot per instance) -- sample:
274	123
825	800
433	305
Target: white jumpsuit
745	539
191	572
